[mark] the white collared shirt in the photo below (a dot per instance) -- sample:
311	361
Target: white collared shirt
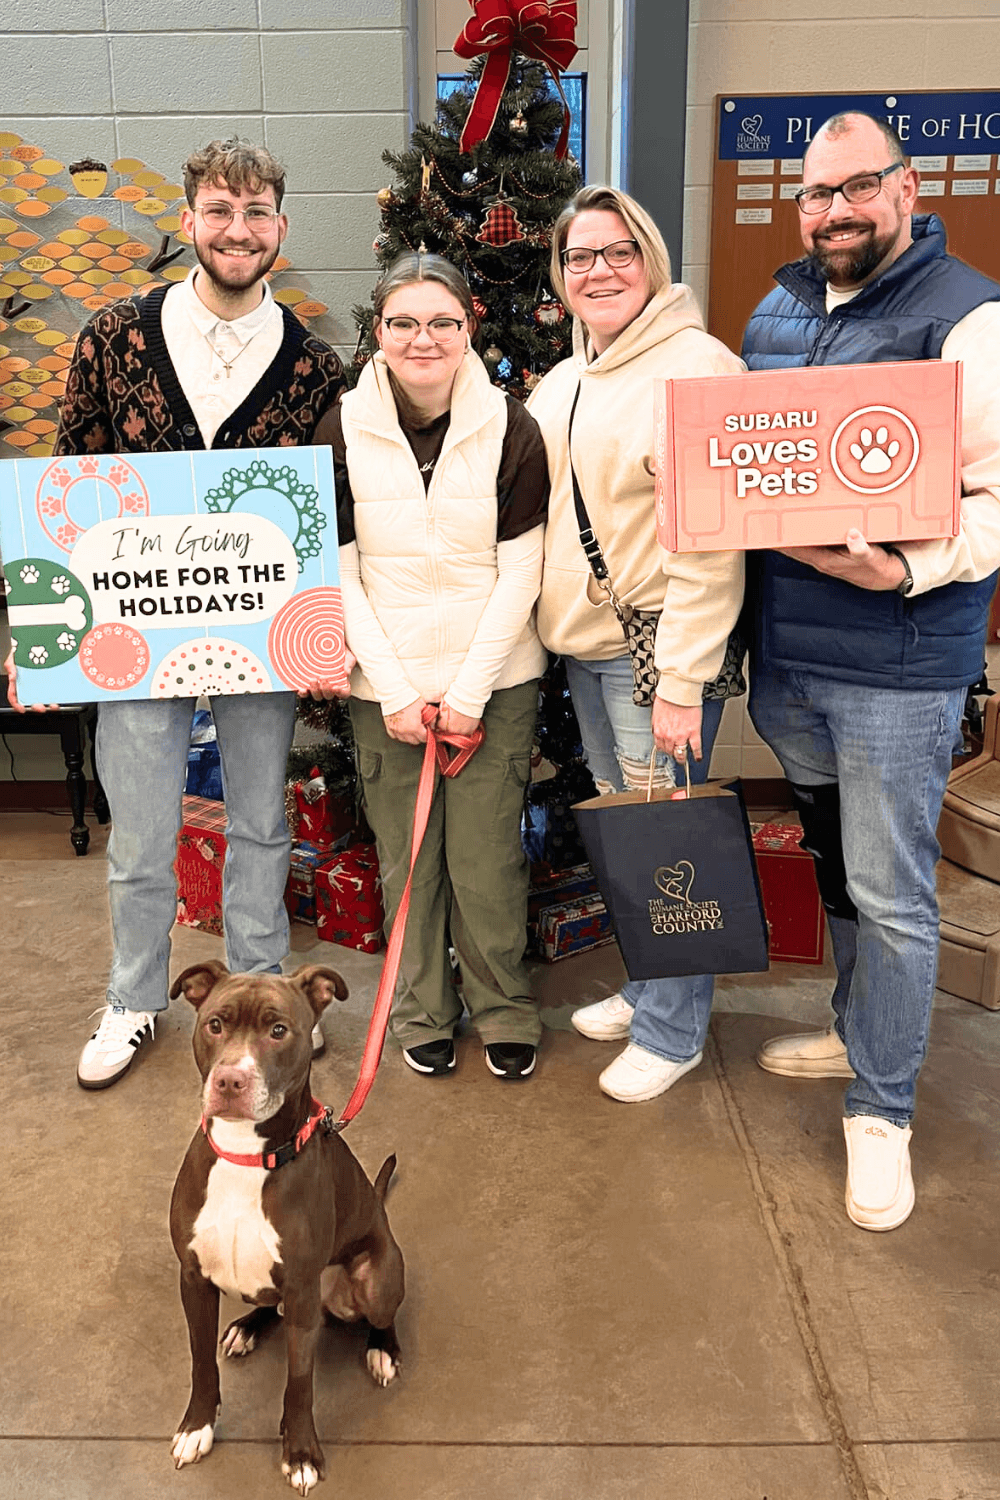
196	339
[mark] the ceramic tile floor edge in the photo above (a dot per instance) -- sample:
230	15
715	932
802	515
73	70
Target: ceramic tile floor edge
791	1275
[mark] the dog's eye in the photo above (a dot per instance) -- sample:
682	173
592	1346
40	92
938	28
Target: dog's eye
215	1026
278	1031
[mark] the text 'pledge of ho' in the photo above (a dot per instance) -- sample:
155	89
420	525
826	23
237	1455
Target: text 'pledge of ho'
797	458
165	571
169	575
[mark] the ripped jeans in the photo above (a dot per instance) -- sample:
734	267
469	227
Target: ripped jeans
670	1015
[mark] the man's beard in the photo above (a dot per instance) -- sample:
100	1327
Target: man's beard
851	267
238	286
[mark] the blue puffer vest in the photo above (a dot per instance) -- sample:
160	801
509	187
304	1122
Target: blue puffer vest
806	619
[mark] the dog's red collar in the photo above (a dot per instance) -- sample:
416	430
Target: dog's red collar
321	1115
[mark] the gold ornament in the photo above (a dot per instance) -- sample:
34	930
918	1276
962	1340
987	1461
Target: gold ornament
385	197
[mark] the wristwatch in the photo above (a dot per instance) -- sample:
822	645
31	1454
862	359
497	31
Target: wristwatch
905	584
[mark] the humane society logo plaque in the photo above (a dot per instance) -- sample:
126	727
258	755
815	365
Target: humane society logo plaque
796	458
172	574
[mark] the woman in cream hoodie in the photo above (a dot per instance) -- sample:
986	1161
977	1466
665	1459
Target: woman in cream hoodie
632	326
441	497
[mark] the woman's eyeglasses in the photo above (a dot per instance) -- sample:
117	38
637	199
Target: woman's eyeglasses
441	330
622	253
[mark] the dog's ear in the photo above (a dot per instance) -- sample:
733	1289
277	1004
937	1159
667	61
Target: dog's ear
199	981
321	985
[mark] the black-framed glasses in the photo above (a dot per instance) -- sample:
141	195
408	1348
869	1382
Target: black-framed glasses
221	215
816	200
442	330
617	255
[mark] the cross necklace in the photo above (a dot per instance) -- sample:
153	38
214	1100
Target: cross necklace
228	363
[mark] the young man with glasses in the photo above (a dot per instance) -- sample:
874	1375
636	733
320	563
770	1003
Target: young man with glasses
211	362
864	653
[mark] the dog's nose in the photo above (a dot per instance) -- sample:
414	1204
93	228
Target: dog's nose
229	1081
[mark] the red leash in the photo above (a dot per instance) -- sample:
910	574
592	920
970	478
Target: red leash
436	753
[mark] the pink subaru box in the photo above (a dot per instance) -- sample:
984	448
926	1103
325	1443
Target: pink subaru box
795	458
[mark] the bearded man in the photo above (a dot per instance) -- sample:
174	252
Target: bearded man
863	654
210	362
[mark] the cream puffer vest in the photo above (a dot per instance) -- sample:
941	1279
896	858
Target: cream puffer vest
429	559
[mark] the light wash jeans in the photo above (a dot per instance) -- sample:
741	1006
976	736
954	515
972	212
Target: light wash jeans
142	750
890	754
670	1016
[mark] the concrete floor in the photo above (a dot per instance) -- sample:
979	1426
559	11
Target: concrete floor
603	1300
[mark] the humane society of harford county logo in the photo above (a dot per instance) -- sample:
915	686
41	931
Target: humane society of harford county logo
748	137
675	912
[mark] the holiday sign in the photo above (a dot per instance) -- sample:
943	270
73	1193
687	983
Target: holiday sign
169	575
796	458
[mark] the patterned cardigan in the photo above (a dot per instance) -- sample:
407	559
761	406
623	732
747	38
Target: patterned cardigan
123	394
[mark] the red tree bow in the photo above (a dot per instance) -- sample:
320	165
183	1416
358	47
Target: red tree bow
541	29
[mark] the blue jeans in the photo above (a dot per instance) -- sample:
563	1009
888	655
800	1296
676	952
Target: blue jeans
670	1015
890	754
142	750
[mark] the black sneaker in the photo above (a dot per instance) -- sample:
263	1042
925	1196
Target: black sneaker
436	1058
510	1059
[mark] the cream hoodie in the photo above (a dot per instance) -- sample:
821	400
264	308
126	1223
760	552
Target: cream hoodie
700	593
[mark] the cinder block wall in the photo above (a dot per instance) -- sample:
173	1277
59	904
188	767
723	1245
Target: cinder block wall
797	47
325	84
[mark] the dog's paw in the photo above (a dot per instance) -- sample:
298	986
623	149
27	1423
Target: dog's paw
191	1447
302	1476
381	1366
237	1341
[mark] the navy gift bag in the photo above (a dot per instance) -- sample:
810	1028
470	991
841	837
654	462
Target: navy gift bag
679	879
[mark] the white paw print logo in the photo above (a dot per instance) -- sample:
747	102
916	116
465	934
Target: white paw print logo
61	584
29	574
66	641
873	451
38	656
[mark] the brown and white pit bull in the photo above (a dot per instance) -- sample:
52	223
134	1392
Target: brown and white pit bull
299	1231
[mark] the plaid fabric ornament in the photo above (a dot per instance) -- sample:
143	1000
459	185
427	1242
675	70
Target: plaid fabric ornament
500	226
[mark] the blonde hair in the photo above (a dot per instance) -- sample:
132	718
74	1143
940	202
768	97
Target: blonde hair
655	256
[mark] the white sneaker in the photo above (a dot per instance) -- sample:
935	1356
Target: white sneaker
111	1050
606	1021
637	1074
879	1182
813	1054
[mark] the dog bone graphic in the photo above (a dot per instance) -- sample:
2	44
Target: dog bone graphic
70	611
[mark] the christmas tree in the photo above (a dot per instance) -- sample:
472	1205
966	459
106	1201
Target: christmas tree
490	211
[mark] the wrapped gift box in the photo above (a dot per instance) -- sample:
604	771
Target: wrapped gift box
300	890
321	819
555	888
791	897
795	458
573	926
349	900
201	854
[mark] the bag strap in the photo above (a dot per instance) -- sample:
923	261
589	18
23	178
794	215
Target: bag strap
588	537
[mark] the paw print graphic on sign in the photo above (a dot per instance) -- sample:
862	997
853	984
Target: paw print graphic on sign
875	449
874	453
